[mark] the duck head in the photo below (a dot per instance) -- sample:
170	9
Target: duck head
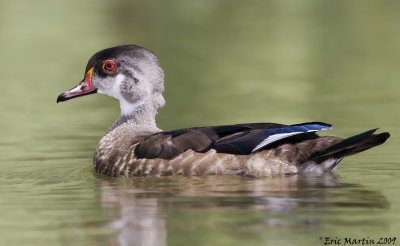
128	73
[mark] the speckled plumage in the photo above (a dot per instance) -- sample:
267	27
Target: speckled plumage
134	146
115	156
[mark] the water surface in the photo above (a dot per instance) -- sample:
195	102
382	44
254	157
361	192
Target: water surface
225	62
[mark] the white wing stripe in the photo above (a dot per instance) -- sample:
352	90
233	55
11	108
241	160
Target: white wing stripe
275	138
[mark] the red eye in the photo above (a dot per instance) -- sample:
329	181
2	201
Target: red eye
109	66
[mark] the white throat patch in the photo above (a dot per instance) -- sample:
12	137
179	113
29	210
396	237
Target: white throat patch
115	90
127	108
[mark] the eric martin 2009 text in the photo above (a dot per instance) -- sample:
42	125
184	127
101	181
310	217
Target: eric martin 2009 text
358	241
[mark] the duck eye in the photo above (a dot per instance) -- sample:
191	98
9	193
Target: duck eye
109	66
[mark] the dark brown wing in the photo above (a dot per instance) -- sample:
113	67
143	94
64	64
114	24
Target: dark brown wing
167	145
241	139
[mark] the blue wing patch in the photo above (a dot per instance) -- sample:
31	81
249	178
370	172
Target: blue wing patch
285	132
247	141
306	127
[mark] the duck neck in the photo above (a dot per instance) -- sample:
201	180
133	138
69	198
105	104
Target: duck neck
140	117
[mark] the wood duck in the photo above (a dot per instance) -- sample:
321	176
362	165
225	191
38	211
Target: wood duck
134	146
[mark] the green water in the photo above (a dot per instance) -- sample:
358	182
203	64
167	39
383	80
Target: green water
225	62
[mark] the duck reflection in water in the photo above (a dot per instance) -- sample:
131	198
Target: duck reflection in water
142	206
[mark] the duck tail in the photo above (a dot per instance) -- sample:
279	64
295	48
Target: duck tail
331	156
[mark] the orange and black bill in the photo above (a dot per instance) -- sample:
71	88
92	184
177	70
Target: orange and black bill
84	88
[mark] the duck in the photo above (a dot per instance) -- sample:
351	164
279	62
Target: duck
134	145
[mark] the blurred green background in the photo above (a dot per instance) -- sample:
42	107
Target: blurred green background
226	61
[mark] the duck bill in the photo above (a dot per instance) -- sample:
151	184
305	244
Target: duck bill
85	87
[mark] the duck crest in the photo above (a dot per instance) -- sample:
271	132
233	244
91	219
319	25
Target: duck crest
134	146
